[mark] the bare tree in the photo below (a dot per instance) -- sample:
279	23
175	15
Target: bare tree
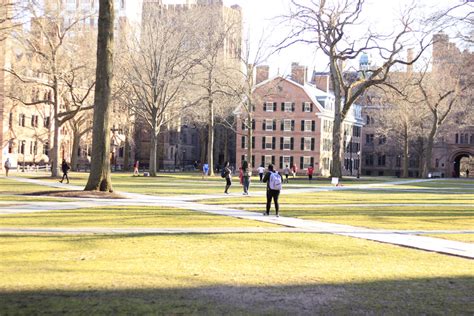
48	51
99	177
158	69
328	25
217	64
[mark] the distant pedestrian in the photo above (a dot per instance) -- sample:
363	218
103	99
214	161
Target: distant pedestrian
273	180
467	173
205	170
310	173
261	171
247	173
195	165
8	166
136	166
227	174
286	172
65	169
294	170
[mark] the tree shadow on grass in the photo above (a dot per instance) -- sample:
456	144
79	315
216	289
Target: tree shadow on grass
414	296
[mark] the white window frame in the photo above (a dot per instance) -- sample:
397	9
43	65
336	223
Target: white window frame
306	162
268	125
286	161
268	142
267	160
288	107
308	125
307	144
286	143
268	108
307	107
286	125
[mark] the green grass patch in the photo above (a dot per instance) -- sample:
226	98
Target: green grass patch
124	217
228	274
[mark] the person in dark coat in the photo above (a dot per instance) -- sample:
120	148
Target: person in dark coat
271	194
65	169
227	172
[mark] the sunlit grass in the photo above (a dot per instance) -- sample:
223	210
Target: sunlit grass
124	217
222	274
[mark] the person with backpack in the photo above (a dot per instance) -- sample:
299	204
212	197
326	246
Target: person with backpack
246	174
310	173
227	174
65	168
273	180
7	166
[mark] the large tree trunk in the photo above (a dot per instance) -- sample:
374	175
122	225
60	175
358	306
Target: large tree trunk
75	147
153	152
336	166
226	144
249	138
126	154
99	177
210	139
429	150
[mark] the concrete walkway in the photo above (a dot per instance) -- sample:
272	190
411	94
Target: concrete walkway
456	248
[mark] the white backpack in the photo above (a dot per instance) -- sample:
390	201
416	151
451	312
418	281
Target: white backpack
275	181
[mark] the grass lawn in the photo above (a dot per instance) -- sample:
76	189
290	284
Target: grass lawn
124	217
277	274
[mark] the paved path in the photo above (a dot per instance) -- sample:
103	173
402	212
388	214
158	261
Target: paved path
456	248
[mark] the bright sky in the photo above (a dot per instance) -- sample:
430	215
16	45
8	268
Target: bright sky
259	16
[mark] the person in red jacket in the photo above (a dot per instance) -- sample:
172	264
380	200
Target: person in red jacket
310	173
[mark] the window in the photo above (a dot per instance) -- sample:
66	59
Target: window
381	160
268	160
307	141
21	147
286	143
382	139
287	125
34	121
286	161
356	131
308	125
10	147
269	107
22	120
288	107
437	163
268	142
456	139
307	162
46	148
268	125
47	121
369	138
369	160
121	152
307	107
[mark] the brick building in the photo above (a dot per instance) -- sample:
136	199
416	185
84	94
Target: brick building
293	125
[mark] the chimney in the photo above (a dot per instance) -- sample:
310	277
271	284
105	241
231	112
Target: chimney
321	81
262	74
410	59
299	73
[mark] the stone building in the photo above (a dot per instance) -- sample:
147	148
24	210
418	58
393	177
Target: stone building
293	125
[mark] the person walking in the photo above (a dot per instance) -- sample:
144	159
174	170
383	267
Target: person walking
136	165
294	170
246	174
227	174
261	171
205	170
65	168
8	166
273	180
310	173
286	172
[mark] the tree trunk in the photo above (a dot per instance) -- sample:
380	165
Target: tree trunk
210	139
75	147
203	143
336	167
405	154
126	154
226	144
429	150
99	177
153	153
249	138
55	150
